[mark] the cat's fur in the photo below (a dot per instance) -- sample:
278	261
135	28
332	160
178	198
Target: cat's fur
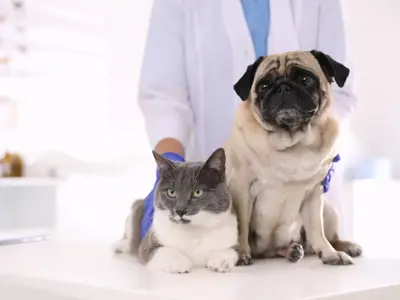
203	233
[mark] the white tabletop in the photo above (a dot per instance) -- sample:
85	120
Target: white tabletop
92	264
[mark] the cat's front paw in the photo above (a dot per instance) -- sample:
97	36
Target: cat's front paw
170	260
223	261
336	258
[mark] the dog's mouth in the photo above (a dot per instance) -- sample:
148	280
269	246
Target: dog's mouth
291	110
289	117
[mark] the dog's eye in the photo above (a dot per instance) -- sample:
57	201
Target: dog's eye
307	81
197	193
171	193
263	88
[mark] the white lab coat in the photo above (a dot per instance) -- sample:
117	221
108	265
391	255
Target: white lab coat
197	49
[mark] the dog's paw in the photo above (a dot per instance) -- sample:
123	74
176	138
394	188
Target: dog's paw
336	259
170	260
354	250
350	248
295	252
122	246
244	258
223	261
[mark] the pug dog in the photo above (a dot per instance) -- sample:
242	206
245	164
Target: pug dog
280	149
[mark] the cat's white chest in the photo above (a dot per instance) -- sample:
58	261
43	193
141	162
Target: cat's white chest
197	243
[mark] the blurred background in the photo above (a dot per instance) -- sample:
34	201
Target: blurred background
69	74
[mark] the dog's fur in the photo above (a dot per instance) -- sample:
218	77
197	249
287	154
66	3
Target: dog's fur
275	168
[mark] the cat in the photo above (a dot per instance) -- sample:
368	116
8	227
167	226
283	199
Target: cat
194	223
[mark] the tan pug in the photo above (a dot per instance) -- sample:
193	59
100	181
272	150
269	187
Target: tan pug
279	151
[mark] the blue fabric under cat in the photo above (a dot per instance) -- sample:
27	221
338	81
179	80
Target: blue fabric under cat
149	200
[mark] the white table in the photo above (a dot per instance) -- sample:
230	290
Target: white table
78	269
79	263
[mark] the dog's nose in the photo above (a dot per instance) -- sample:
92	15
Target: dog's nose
180	212
283	88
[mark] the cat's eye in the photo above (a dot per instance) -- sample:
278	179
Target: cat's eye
197	193
171	193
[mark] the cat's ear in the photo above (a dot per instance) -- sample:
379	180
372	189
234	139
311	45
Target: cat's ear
216	161
162	162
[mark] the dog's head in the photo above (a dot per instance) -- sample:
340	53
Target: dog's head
286	91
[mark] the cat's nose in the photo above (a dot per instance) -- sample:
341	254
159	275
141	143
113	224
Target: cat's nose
180	212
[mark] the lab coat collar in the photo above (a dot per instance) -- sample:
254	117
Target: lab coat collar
236	27
282	31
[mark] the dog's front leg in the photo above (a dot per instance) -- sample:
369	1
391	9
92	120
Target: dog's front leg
243	205
312	215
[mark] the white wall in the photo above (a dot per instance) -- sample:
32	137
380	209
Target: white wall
374	35
103	87
78	101
374	32
90	60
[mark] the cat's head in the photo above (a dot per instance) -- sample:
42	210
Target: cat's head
192	192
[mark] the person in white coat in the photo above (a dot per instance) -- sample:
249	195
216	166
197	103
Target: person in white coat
196	51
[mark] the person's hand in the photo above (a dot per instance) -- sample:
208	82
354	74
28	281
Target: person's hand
328	178
149	200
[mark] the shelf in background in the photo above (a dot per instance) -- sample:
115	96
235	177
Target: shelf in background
29	181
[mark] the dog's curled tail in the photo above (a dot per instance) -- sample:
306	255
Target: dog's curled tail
130	242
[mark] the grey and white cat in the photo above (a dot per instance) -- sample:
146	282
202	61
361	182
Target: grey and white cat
194	222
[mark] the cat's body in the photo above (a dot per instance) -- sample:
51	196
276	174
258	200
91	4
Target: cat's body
194	224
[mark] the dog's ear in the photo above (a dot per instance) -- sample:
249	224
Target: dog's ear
332	68
243	86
